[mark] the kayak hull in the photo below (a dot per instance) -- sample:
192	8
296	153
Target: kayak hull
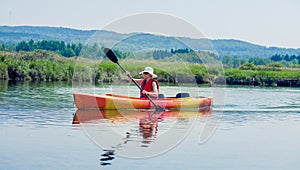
113	101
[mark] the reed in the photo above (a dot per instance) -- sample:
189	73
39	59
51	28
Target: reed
47	66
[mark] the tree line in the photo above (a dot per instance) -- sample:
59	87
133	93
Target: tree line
62	48
284	60
91	51
59	47
95	51
227	61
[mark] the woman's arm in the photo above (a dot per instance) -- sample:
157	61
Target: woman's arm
139	81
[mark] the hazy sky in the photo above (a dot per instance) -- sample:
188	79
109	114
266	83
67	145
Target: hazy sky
263	22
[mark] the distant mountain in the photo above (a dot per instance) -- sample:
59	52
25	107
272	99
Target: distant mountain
15	34
139	41
244	49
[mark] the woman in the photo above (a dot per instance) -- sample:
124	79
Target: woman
149	84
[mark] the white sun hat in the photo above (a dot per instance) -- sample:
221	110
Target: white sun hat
150	71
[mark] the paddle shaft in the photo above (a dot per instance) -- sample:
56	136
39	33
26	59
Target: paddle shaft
129	75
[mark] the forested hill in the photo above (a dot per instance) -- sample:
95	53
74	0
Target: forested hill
15	34
244	49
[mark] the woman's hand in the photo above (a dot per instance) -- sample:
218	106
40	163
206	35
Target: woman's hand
145	92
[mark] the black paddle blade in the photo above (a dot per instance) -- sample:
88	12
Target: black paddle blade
110	55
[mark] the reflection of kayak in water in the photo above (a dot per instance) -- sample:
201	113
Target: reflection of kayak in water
146	121
138	133
86	116
113	101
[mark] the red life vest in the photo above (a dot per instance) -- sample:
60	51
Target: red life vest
148	86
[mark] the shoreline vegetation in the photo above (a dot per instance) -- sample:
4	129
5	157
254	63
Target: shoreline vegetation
41	65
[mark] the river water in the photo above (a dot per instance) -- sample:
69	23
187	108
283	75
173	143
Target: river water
258	128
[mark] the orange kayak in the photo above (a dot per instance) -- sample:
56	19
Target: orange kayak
113	101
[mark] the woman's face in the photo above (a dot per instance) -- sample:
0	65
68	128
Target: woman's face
146	75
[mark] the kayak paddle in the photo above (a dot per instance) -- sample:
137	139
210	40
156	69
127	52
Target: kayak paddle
110	54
